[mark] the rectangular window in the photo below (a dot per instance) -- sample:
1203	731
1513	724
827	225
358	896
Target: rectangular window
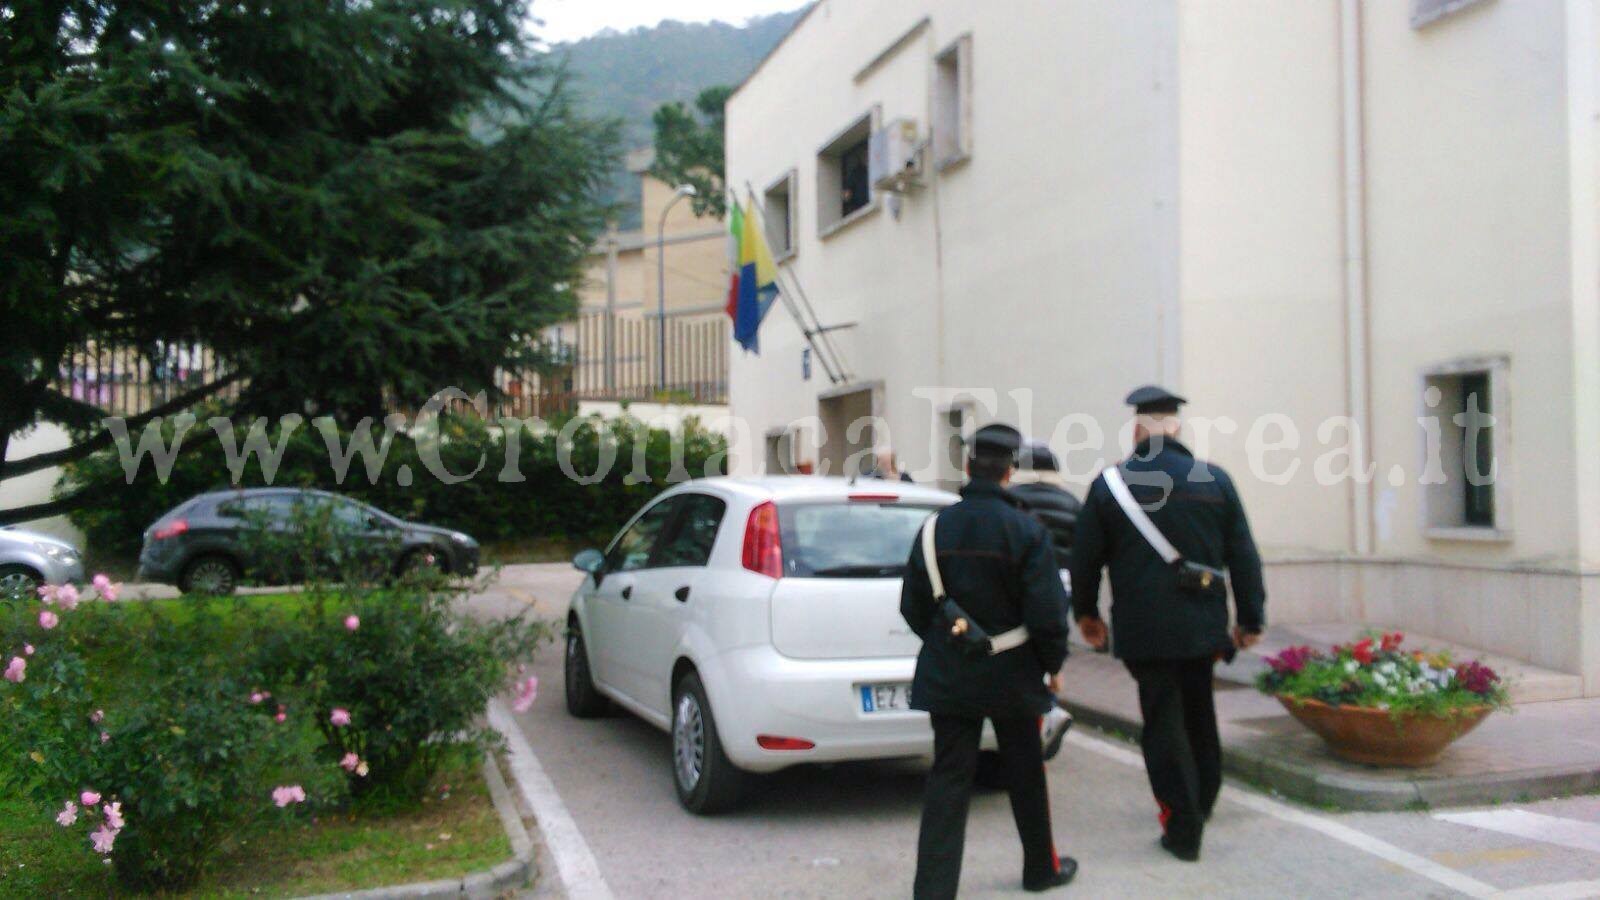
695	533
1465	493
778	201
844	187
952	103
780	453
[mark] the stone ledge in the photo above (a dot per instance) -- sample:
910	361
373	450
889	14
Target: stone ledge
510	875
1307	783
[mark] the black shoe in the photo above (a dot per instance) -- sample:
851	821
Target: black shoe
1185	853
1068	868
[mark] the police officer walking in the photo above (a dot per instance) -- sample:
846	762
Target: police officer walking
1167	526
983	592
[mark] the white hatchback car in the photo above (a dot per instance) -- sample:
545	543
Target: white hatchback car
758	621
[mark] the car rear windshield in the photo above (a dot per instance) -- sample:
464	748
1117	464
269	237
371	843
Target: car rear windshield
849	539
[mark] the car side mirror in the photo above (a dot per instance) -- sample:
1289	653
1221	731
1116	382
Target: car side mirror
591	561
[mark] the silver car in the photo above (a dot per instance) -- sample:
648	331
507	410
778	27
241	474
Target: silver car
29	559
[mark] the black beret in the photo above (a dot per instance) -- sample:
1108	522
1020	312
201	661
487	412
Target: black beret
997	439
1152	399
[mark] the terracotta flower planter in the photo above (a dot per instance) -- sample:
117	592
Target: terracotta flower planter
1379	737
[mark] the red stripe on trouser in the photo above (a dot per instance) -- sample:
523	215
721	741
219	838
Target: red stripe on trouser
1165	815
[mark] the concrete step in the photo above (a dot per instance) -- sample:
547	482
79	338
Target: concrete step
1528	683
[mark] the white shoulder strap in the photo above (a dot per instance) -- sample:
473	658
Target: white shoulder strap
1136	514
931	560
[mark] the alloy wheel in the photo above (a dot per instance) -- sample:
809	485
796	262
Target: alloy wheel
211	576
688	741
17	586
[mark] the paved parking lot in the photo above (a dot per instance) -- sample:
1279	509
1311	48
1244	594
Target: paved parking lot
850	830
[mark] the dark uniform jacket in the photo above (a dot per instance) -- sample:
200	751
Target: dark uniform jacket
1151	618
996	562
1058	509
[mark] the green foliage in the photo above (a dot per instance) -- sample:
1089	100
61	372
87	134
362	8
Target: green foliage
1376	673
626	77
351	203
689	148
413	678
176	747
546	501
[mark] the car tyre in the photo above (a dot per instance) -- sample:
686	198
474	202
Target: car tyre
707	781
212	575
584	700
18	582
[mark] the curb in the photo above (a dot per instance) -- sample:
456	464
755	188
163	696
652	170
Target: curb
1355	793
510	875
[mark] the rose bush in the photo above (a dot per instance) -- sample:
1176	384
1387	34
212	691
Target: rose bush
149	761
1376	672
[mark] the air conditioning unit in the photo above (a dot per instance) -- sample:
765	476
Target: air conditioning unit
894	156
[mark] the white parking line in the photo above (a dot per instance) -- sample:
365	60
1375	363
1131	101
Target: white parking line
575	862
1521	823
1344	834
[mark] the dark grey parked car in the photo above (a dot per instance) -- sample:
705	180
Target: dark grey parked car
206	544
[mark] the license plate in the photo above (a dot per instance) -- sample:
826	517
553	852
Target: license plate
880	698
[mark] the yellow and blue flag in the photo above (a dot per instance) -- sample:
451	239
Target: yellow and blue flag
754	284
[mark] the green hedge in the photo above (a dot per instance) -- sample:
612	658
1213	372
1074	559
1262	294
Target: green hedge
547	503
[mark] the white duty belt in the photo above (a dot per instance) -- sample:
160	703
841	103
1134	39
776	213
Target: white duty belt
999	643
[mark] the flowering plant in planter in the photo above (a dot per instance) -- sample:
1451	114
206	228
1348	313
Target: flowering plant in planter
1377	672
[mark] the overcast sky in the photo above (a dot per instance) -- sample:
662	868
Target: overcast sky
569	20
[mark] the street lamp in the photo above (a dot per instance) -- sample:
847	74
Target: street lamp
678	193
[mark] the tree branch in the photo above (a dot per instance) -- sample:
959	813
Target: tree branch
39	461
89	494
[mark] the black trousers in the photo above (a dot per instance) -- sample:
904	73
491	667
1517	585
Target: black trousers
1182	752
944	807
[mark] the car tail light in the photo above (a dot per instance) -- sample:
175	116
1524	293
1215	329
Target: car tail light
773	742
875	498
763	549
171	529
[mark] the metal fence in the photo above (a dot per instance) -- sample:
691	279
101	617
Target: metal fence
125	381
696	358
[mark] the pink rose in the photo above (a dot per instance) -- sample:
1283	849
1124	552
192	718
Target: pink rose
67	596
340	717
113	813
48	619
89	798
105	737
97	716
27	649
103	839
349	762
283	796
68	814
283	714
527	690
47	593
258	696
352	622
17	670
101	581
111	592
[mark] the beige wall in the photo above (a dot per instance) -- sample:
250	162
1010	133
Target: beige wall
1161	192
696	257
1038	264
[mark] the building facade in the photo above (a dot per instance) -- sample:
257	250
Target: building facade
617	337
1360	237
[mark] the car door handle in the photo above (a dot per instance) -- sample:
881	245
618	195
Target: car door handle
627	592
682	594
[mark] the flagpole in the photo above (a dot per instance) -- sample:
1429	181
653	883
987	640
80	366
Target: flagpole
806	330
816	327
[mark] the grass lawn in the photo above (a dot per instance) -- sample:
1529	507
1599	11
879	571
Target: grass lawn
452	832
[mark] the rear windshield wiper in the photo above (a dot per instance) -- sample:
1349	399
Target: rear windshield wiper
861	571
